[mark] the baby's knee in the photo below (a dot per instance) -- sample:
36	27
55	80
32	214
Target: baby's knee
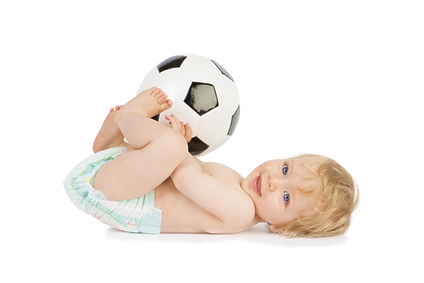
175	143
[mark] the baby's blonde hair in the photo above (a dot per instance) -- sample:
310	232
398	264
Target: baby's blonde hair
334	201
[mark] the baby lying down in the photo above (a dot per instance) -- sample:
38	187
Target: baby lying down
142	178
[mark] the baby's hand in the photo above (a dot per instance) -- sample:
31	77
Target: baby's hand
181	127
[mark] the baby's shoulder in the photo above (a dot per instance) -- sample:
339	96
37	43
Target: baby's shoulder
221	171
214	167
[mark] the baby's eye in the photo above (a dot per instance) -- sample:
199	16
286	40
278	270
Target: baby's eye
285	169
286	197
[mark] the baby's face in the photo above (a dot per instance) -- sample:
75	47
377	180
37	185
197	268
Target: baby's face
275	185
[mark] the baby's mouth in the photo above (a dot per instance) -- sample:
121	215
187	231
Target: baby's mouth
257	185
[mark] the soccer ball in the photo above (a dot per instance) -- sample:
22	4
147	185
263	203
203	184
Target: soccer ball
203	94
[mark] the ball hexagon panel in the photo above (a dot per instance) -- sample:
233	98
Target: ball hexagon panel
174	83
225	89
214	125
200	70
215	146
184	113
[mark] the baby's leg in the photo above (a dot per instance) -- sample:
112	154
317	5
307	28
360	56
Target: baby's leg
158	149
109	134
133	119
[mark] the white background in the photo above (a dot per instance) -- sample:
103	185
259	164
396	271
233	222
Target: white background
338	78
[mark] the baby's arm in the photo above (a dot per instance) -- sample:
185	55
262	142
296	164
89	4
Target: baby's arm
230	205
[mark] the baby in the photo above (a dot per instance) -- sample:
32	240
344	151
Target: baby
143	179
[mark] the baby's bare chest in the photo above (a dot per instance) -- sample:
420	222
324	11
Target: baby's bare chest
181	214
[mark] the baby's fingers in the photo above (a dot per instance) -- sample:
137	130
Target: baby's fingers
173	121
188	132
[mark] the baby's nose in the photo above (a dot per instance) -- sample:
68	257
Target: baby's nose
274	183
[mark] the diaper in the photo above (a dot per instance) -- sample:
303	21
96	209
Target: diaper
135	215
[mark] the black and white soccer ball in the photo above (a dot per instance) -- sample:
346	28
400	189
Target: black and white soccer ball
203	94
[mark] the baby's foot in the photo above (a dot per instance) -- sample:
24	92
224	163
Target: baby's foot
148	103
109	134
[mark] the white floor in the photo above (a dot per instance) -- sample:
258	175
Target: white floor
344	80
